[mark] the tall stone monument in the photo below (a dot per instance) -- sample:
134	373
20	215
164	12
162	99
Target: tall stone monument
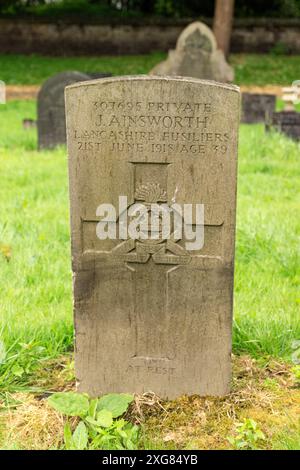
196	55
152	313
51	121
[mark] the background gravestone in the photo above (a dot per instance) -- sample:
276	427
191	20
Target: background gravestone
153	316
196	55
257	107
286	122
51	121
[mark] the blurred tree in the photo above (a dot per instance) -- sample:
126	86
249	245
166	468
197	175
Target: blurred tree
224	10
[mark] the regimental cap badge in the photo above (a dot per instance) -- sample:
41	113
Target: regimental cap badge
150	193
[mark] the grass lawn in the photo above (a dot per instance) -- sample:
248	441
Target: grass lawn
36	329
250	69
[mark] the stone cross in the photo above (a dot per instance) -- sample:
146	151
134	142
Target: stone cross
152	313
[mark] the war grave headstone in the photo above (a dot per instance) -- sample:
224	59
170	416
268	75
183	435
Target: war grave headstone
287	121
51	120
196	55
153	313
257	107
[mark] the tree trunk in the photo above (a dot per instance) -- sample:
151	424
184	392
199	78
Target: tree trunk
223	20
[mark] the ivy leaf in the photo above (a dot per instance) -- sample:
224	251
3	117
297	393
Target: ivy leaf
69	403
116	403
80	436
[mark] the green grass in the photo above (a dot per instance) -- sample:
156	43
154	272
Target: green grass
265	69
267	296
250	69
288	440
35	275
35	283
34	69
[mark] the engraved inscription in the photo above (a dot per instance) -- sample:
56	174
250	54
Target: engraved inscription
153	127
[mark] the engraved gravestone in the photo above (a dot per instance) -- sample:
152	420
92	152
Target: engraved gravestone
152	313
196	55
51	121
257	107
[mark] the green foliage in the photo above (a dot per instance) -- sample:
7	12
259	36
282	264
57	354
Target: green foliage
70	403
80	437
248	436
280	48
173	8
19	363
117	404
296	372
98	428
165	8
296	351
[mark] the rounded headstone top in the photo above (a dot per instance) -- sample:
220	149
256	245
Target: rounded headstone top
95	75
52	90
51	108
63	79
197	36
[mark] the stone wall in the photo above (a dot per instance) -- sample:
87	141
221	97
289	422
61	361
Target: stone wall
135	37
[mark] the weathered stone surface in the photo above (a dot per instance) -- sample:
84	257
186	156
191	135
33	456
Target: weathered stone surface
153	315
51	107
196	55
286	122
257	107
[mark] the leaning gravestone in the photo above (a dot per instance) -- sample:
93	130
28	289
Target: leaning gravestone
152	313
257	107
51	121
196	55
